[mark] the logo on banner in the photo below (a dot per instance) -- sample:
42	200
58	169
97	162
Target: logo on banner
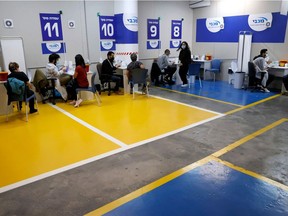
53	47
155	44
175	44
260	22
107	45
130	22
215	24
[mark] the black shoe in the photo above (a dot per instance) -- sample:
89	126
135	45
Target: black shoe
131	91
33	111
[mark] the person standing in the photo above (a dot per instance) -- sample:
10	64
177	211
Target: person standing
108	69
16	73
53	70
80	80
185	60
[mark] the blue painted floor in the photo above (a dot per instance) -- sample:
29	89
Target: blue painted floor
220	90
211	189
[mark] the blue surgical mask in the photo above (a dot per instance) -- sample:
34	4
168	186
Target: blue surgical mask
183	46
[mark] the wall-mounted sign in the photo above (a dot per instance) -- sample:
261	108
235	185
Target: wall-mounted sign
51	27
260	22
107	45
53	47
71	24
176	29
126	26
106	25
153	29
175	43
8	23
154	44
215	24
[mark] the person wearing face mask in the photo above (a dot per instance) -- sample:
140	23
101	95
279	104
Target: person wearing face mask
53	70
185	60
108	69
261	63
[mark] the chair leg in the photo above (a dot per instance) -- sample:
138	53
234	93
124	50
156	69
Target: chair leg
98	98
214	77
200	81
189	81
133	91
26	110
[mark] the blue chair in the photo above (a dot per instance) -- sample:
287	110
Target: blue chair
194	70
93	88
215	67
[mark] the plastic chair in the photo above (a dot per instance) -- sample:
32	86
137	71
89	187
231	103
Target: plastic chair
93	88
194	70
105	79
215	67
19	99
139	76
157	74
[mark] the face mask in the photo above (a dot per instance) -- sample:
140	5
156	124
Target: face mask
112	59
266	58
183	46
58	64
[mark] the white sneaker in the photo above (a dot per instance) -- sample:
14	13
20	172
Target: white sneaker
78	102
266	90
184	85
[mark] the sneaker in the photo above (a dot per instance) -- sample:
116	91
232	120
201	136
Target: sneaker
72	102
33	111
184	85
266	90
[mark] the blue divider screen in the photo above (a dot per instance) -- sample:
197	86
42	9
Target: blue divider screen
233	25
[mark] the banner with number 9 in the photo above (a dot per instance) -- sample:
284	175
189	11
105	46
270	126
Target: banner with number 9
153	29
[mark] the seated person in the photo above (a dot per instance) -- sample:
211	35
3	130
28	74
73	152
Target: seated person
132	65
108	69
165	66
54	71
80	80
261	64
16	73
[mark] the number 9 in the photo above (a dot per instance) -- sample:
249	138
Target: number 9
153	30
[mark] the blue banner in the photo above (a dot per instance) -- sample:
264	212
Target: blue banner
154	44
175	44
107	45
153	29
106	25
126	29
53	47
51	27
176	29
235	24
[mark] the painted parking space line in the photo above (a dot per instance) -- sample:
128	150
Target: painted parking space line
213	157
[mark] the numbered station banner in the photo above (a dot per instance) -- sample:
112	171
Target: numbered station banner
51	27
53	47
153	29
107	30
176	29
154	44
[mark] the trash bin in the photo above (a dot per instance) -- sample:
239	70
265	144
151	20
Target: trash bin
239	79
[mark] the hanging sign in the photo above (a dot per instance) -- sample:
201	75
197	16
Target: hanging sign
176	29
153	29
53	47
154	44
107	30
107	45
215	24
260	22
51	27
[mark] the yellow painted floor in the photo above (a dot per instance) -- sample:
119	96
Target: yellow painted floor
52	140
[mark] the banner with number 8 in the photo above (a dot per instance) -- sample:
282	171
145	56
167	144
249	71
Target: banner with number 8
176	29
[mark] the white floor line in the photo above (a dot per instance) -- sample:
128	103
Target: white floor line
123	147
96	130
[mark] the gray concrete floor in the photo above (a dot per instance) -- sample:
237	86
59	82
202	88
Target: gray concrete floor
83	189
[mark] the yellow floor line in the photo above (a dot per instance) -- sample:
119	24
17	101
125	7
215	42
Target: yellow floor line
253	174
110	206
247	138
192	95
251	105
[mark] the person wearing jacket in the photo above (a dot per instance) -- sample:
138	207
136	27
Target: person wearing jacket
16	73
185	60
